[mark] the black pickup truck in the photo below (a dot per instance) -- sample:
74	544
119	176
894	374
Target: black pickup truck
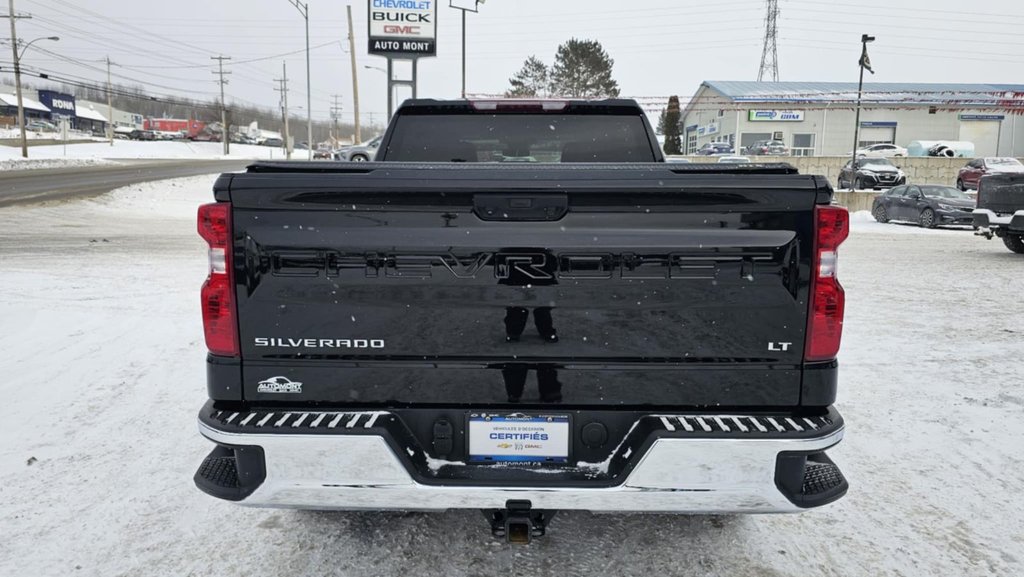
1000	210
521	308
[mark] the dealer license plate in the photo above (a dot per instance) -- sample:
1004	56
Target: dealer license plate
518	437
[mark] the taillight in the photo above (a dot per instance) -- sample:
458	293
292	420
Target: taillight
218	295
825	319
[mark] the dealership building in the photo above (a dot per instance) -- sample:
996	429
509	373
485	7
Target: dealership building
817	118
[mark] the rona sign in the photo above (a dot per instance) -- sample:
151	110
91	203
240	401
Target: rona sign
402	27
775	116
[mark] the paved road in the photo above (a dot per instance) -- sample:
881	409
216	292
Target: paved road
28	186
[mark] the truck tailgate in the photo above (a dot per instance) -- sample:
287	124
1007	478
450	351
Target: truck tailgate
484	285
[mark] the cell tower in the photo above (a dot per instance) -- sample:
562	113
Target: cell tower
769	54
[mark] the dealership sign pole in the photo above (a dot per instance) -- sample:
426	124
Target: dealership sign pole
402	30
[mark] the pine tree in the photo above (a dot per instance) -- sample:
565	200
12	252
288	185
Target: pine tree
668	125
583	69
531	80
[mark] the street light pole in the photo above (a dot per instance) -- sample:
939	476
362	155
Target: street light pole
304	11
864	63
388	72
475	9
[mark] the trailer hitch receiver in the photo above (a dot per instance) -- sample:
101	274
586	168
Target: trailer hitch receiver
518	522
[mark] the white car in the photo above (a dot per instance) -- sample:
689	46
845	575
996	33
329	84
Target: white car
882	151
733	160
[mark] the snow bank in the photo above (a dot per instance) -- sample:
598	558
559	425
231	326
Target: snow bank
133	149
8	133
33	163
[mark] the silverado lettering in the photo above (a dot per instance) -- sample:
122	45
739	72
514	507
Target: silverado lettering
319	343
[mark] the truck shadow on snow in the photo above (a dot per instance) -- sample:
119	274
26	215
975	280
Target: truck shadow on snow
424	533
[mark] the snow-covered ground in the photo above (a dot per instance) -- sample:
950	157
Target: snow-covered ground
134	149
103	375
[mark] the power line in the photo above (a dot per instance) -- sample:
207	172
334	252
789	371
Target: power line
916	10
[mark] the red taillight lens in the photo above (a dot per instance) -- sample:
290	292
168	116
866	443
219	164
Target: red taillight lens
218	297
215	224
828	301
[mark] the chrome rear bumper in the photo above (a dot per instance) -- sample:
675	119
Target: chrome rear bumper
740	470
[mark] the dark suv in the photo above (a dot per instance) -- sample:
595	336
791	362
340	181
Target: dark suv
871	173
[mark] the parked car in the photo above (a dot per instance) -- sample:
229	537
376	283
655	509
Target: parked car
871	173
677	159
768	148
715	148
363	152
970	174
929	205
323	154
733	159
882	151
273	142
142	135
40	126
204	136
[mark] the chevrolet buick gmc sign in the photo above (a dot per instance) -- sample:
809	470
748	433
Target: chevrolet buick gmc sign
59	104
403	27
776	116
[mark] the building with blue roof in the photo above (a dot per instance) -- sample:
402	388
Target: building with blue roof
817	118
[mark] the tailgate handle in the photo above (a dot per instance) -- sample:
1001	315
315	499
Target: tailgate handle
520	207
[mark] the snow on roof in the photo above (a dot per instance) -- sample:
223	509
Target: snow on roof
1000	95
89	114
12	100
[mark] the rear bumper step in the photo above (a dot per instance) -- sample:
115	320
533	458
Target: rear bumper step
688	463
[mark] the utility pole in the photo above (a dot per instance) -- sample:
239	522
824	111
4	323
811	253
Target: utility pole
355	78
223	107
304	11
17	76
769	53
335	114
110	106
284	107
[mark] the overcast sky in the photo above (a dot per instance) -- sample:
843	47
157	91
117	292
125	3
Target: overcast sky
660	47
